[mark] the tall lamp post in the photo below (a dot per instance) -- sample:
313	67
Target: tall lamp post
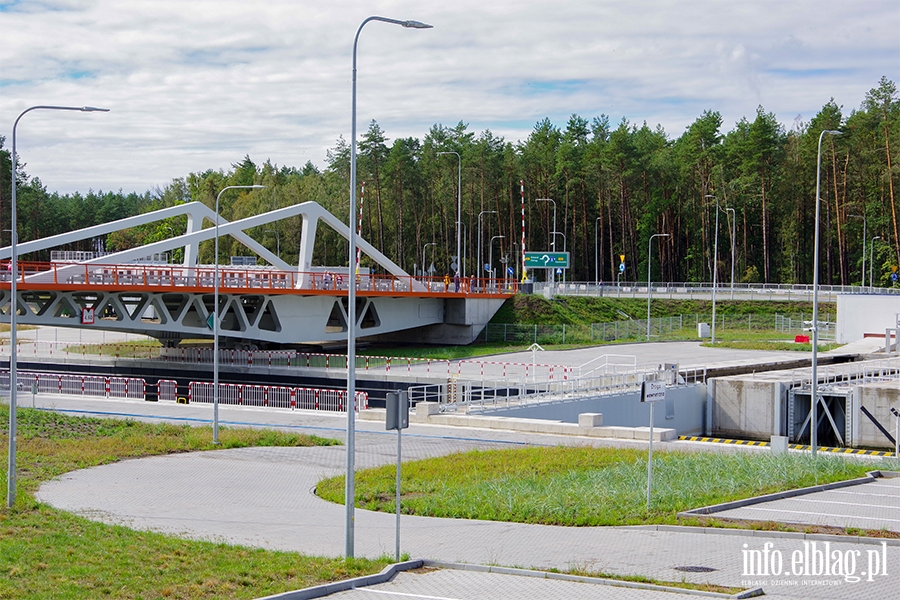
814	395
13	303
733	222
552	235
596	254
424	270
215	314
349	491
872	257
650	262
862	283
715	270
459	260
491	256
479	268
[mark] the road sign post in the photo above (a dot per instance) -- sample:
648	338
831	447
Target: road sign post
652	392
397	417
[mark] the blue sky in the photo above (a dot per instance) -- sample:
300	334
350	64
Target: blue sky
198	84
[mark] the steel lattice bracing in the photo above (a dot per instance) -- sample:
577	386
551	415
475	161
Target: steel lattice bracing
281	304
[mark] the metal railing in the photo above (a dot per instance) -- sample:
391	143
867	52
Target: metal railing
458	395
636	329
38	275
703	290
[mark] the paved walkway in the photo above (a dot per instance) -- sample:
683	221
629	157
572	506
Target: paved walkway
265	497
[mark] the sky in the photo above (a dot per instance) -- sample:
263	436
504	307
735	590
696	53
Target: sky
198	84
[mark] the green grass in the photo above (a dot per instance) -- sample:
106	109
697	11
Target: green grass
586	486
46	553
573	310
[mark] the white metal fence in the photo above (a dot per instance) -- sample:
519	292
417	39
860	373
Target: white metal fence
77	385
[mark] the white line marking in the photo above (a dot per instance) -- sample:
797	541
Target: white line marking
806	512
386	592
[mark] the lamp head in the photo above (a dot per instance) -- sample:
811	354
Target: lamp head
416	25
93	109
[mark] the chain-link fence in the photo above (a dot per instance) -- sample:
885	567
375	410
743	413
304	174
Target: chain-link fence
680	326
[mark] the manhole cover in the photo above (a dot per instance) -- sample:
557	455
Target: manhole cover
695	569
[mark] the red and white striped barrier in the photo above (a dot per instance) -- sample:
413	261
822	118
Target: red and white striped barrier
81	385
167	390
276	396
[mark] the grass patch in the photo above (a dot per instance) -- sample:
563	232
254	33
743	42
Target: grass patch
586	486
46	553
772	345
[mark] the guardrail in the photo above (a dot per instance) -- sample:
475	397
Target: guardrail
474	396
697	290
231	278
276	396
77	385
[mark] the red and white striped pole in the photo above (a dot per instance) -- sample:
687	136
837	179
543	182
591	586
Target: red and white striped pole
522	192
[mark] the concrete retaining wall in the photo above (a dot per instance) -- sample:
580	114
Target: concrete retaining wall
859	314
683	410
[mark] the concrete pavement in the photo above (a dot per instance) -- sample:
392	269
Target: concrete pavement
265	497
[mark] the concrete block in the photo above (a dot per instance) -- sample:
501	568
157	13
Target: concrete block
372	414
779	444
427	408
590	420
660	434
622	432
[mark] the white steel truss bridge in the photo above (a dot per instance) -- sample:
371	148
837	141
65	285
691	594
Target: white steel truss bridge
281	303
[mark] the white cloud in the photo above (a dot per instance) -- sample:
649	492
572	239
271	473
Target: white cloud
198	84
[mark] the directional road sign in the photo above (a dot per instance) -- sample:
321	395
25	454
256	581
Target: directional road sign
548	260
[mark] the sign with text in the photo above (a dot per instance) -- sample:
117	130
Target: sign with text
547	260
653	391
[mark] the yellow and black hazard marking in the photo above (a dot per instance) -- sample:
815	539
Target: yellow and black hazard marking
856	451
690	438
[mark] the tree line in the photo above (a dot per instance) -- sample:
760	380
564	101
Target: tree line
613	186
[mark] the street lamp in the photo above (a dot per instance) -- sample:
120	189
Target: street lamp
480	266
349	491
424	270
215	313
596	254
13	303
459	260
814	393
733	222
491	255
649	289
565	248
872	258
864	220
552	236
715	270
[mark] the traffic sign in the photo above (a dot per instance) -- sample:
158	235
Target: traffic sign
548	260
621	267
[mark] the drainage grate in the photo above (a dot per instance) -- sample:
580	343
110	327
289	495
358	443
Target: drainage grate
694	569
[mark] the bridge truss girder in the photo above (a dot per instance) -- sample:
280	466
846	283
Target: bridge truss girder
172	316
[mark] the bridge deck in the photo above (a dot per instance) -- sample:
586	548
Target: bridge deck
258	280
